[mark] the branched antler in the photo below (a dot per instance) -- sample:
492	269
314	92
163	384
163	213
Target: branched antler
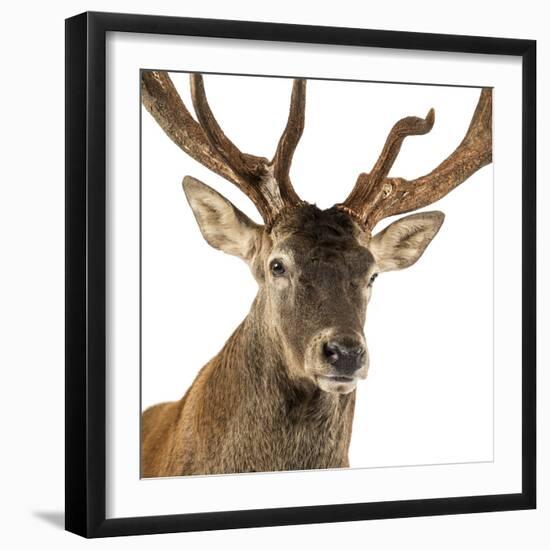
266	183
375	196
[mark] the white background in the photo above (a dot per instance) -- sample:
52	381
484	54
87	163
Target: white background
32	285
193	297
127	496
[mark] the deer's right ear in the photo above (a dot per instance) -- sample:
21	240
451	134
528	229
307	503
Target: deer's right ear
223	225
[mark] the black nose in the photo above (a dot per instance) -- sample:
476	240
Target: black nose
346	356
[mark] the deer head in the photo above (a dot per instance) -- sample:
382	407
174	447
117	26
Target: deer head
315	268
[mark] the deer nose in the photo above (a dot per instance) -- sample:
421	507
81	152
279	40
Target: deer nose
346	355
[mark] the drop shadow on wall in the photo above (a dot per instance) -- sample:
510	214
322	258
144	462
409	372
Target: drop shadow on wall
54	518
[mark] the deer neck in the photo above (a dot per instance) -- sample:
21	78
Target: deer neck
297	425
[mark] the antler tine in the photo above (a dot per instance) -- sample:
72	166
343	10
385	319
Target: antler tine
289	140
245	165
369	187
252	171
161	99
206	142
377	197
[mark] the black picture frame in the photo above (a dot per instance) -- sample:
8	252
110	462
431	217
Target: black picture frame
86	274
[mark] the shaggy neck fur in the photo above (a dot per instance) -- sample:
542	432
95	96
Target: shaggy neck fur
246	412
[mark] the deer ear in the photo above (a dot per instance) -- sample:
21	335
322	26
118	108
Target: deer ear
403	242
223	225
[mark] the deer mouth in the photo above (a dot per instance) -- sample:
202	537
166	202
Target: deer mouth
336	383
338	378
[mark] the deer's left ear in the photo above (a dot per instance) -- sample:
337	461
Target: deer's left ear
222	225
404	241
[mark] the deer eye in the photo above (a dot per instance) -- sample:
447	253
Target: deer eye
373	277
277	268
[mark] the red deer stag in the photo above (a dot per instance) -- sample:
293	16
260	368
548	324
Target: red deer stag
280	394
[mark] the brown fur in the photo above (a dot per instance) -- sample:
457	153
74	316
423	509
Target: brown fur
247	411
263	402
243	414
276	397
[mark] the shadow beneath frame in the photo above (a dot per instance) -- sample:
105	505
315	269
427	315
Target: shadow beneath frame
54	518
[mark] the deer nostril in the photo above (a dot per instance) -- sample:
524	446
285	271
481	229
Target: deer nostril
346	357
332	352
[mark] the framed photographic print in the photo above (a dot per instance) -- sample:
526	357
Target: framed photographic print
300	274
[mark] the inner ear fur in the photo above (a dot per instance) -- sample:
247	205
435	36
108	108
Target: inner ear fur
402	243
222	224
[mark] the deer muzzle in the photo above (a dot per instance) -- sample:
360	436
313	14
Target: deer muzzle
337	360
